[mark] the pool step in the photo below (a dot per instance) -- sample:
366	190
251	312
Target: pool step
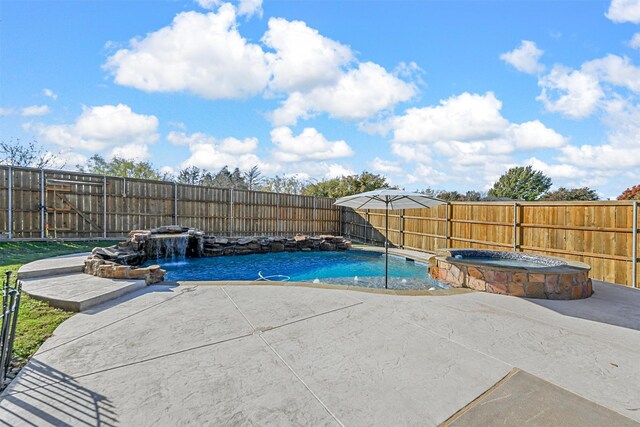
77	291
65	264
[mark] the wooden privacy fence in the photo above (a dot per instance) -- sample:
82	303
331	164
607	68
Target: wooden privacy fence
40	204
603	234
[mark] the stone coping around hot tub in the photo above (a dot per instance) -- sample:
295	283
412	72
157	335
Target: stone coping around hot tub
400	292
563	280
548	264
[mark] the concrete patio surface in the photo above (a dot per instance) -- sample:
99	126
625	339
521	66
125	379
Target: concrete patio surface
64	264
60	281
289	355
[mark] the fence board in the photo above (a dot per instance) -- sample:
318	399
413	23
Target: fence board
598	233
142	204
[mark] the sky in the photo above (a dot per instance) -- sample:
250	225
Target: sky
445	95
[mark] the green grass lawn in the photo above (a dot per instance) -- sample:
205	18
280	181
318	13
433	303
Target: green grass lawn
37	320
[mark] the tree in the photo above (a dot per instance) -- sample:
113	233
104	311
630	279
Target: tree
31	154
284	184
450	196
347	185
253	178
191	175
237	180
632	193
119	166
453	196
584	193
521	183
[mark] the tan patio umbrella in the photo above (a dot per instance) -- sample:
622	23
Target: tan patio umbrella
388	200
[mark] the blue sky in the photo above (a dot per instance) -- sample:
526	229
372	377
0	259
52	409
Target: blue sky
440	94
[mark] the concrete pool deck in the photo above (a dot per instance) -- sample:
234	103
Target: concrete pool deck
283	355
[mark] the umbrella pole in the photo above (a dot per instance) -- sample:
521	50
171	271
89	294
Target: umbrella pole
386	248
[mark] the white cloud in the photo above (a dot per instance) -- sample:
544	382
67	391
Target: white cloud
622	149
67	159
208	153
624	11
385	166
525	57
572	93
604	157
309	145
35	110
334	170
303	59
208	4
427	175
131	151
615	70
6	111
533	135
357	95
228	145
464	141
463	117
245	7
558	171
635	41
235	146
103	127
49	93
250	7
412	152
199	53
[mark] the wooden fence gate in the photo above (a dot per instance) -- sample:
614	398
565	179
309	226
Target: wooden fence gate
62	205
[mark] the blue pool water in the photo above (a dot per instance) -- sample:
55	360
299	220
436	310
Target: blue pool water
359	268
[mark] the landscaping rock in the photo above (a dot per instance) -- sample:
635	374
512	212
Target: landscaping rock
120	261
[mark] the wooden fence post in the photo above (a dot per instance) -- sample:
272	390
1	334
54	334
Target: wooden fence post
447	225
401	229
634	251
366	227
515	226
10	203
43	209
277	213
230	231
104	206
175	203
314	216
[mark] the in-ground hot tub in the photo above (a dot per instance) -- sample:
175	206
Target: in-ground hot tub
512	273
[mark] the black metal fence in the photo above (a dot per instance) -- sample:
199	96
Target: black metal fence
10	307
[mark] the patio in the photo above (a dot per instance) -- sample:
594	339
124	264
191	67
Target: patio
288	355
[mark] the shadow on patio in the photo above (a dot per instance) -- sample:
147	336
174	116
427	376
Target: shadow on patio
54	398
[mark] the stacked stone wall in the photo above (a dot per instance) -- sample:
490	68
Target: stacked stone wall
560	284
121	261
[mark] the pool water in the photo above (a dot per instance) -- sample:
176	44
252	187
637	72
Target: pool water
503	262
354	267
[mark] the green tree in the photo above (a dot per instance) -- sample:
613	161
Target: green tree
521	183
16	153
450	196
347	185
632	193
192	175
119	166
225	179
253	178
453	196
584	193
284	184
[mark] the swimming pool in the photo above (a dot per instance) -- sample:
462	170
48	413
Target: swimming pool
354	267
